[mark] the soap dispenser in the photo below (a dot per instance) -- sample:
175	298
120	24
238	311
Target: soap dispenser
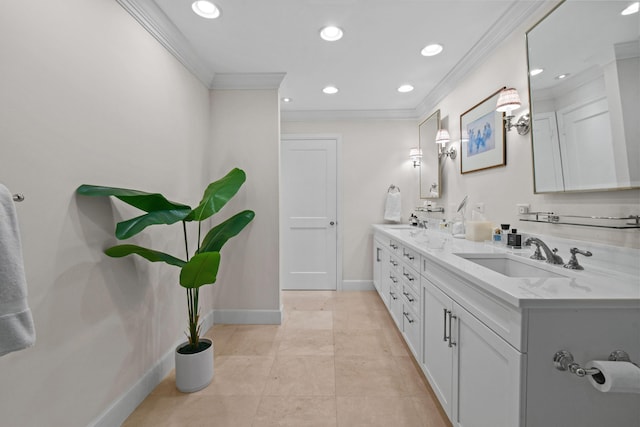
514	240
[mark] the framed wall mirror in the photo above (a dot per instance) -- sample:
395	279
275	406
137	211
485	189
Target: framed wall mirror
430	164
584	86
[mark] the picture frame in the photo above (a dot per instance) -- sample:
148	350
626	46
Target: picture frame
482	136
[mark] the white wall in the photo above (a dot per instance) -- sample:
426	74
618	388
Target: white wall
245	133
375	154
88	96
500	189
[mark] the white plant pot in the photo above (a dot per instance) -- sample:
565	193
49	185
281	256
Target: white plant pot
194	371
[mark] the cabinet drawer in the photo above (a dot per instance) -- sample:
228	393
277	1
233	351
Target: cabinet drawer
411	330
498	316
395	305
410	257
411	278
394	247
394	263
411	298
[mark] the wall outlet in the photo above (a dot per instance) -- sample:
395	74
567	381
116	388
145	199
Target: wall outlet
523	208
478	207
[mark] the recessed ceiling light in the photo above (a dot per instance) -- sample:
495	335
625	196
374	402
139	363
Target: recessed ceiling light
631	9
331	33
330	90
562	76
432	49
405	88
286	99
206	9
536	71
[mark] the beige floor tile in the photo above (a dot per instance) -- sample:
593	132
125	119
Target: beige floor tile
306	342
302	376
430	412
346	318
309	319
363	342
239	375
368	376
308	300
379	411
296	412
251	340
338	359
395	342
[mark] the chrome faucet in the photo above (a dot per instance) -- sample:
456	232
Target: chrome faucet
551	256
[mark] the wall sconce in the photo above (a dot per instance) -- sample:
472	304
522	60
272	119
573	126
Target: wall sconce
508	101
442	138
415	154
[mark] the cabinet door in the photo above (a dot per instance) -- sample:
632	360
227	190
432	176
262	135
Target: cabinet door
487	374
437	356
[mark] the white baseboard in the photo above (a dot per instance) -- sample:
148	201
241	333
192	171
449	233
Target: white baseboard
248	317
358	285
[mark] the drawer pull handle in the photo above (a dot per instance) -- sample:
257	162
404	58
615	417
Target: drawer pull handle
393	295
408	295
409	256
409	277
393	279
451	316
392	262
444	325
393	246
407	316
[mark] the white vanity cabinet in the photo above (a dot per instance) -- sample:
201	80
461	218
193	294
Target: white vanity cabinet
486	341
475	373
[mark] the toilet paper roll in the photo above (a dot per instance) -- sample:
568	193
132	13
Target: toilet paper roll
615	377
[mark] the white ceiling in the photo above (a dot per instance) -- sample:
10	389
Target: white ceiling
259	43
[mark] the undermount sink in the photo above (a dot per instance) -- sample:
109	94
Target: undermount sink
400	227
508	265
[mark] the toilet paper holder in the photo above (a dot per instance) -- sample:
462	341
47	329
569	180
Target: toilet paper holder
563	361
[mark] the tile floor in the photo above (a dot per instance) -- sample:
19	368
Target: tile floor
337	360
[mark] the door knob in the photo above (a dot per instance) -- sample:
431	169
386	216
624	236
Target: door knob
332	223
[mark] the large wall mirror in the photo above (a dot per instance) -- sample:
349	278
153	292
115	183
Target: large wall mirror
584	83
430	164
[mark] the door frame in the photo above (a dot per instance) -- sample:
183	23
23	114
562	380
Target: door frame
311	136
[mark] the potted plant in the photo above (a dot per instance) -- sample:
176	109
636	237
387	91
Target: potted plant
196	270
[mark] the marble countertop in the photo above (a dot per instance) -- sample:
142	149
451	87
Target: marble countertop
592	287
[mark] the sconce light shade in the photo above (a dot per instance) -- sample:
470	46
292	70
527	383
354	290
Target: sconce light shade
508	101
415	154
442	136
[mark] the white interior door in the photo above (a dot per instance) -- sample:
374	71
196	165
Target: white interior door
309	213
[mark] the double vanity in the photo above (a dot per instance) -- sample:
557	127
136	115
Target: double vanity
484	322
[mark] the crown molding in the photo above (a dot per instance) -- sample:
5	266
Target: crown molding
240	81
154	20
516	15
313	115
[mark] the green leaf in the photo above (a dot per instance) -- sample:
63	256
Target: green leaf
218	235
149	254
133	226
217	194
148	202
200	270
159	209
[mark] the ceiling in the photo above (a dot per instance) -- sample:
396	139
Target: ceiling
276	43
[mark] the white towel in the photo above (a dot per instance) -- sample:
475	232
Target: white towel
392	208
16	323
